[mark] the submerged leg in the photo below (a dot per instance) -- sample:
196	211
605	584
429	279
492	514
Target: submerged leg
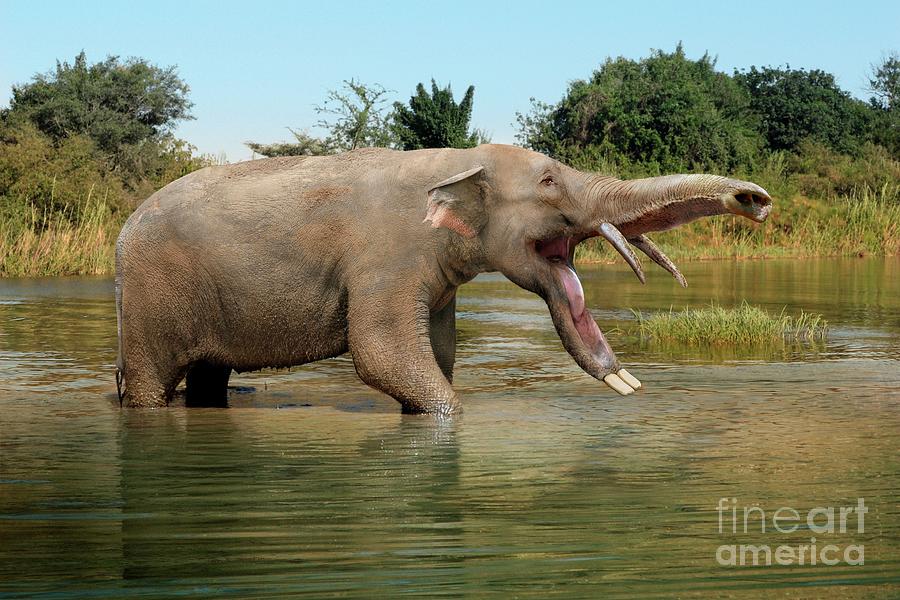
390	340
143	386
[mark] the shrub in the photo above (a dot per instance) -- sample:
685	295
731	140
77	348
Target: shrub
47	179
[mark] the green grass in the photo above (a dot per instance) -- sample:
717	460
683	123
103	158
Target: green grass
31	246
743	325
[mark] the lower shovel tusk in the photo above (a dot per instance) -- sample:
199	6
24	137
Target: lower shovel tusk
646	245
629	379
616	383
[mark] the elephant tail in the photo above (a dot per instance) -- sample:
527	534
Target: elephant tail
120	357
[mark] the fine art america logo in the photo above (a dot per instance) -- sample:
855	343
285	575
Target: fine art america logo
753	520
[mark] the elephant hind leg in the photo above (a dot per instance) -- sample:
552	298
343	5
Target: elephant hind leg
207	384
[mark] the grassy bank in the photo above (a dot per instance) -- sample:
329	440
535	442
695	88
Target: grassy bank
742	325
32	245
863	221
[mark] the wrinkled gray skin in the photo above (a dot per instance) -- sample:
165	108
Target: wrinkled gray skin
285	261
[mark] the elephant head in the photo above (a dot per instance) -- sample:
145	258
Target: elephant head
525	213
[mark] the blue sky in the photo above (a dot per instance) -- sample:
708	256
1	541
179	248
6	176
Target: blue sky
257	68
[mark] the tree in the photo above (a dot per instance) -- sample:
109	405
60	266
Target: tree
884	83
356	117
662	113
794	105
436	120
119	105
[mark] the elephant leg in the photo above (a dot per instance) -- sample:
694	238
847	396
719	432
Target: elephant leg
145	386
443	337
389	338
207	385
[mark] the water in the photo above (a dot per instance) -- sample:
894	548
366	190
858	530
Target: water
547	485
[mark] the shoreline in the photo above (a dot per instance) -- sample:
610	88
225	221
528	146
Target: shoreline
578	261
863	224
611	261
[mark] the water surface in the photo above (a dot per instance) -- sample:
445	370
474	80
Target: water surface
548	484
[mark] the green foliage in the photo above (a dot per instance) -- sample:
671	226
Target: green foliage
885	130
435	120
817	171
126	108
666	113
36	244
793	105
357	117
51	178
159	163
884	83
662	113
61	206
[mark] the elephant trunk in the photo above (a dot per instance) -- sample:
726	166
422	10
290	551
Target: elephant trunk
639	206
623	211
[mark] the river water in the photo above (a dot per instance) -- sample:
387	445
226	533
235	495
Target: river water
547	485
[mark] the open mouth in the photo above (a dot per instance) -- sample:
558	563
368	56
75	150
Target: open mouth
596	357
557	250
560	252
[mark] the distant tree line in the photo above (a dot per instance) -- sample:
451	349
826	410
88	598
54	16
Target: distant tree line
666	113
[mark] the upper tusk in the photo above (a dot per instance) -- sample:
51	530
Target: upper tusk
615	237
650	249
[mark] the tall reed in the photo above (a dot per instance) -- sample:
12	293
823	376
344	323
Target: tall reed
36	244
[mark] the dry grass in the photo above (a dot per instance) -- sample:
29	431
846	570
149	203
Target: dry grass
61	247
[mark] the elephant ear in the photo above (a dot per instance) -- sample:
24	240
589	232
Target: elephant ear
456	203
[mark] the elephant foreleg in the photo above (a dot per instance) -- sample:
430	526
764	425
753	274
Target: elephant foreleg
443	337
391	344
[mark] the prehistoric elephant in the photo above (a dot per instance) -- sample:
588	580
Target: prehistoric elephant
285	261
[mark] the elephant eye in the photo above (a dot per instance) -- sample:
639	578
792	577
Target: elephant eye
548	180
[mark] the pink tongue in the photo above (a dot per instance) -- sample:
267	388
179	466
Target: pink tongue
574	291
584	323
